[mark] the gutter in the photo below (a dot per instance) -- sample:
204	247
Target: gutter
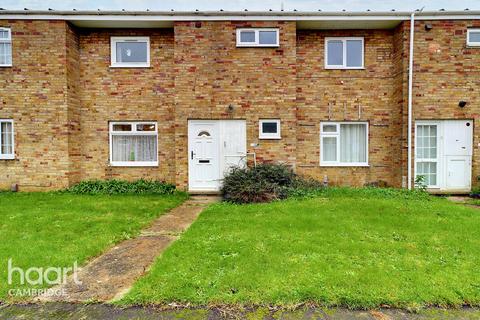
291	15
410	103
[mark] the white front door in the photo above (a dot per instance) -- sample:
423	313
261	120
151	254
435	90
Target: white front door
214	146
458	154
204	161
443	154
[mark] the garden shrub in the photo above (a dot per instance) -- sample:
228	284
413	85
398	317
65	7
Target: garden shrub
264	183
141	186
269	182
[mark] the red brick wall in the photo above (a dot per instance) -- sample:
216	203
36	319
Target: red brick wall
121	94
34	94
212	73
372	88
445	72
62	93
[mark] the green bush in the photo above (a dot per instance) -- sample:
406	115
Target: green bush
122	187
265	183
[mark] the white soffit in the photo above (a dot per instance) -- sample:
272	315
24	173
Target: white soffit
348	24
120	24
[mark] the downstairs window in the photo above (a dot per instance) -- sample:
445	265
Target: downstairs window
344	144
6	139
133	144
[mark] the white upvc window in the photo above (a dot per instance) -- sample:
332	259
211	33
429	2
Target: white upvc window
130	52
133	144
258	37
344	53
426	152
473	37
344	144
5	47
269	129
7	142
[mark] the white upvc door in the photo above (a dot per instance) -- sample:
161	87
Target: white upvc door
458	154
214	146
203	157
443	153
233	149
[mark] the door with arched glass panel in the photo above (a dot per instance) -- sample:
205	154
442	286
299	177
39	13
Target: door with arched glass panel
204	170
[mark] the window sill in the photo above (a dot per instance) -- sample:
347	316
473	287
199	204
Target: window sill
258	45
130	66
362	165
134	164
270	138
6	65
344	68
7	157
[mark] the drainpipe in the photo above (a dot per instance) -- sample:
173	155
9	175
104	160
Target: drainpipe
410	89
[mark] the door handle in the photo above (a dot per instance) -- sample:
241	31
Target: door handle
192	154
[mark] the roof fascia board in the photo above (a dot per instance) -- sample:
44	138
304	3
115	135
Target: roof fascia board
235	16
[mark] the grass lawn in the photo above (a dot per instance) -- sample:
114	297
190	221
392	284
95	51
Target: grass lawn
55	230
353	248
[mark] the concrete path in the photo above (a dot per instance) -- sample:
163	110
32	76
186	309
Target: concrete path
112	274
63	311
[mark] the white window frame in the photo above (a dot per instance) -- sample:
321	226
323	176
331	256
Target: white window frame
437	159
134	132
344	41
8	156
9	40
336	135
113	52
257	37
472	43
263	135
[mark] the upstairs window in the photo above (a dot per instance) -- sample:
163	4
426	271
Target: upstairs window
344	53
6	139
5	47
130	52
133	144
343	144
473	37
262	37
269	129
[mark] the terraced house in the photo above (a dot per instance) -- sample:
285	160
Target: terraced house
351	98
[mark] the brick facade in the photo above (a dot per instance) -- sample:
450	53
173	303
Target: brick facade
62	93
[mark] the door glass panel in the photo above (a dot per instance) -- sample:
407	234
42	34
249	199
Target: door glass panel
429	171
426	142
204	134
426	153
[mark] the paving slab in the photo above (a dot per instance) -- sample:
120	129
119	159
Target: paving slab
111	275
